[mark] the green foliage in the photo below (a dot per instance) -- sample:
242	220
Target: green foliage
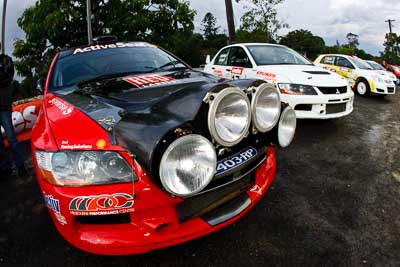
391	54
261	19
304	42
210	27
352	40
51	24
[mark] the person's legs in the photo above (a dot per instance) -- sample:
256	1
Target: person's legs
5	118
5	164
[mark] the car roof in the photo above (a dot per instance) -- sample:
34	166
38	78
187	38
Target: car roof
254	44
70	50
336	55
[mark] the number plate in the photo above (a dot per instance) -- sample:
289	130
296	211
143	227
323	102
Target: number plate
236	160
335	108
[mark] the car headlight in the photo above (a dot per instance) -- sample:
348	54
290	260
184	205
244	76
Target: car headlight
265	107
188	165
229	116
287	126
80	168
296	89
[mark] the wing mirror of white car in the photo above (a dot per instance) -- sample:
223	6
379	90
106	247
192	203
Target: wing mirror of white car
208	59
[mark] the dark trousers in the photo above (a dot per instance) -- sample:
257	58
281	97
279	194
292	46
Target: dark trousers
6	123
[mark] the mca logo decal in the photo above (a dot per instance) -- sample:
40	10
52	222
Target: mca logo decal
102	204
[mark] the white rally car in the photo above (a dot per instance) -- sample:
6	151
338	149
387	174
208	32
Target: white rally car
362	77
382	71
313	92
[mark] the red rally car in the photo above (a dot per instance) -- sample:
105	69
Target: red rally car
135	151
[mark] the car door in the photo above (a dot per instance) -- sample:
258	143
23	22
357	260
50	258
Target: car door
239	64
345	67
220	64
328	63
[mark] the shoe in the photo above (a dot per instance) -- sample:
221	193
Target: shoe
21	172
6	172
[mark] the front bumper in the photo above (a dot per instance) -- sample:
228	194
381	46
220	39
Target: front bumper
382	88
320	106
155	221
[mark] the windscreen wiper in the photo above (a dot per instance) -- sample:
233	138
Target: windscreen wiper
171	63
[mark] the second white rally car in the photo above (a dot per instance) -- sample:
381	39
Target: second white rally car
313	92
362	77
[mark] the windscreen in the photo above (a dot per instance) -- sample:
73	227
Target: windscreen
276	55
87	65
375	65
361	64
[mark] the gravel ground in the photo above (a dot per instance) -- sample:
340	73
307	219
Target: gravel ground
335	202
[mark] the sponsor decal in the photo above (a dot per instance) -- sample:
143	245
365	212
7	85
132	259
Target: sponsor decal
102	204
63	107
100	144
147	80
23	118
54	205
218	73
109	120
235	160
267	76
344	69
66	146
256	189
109	46
237	71
328	68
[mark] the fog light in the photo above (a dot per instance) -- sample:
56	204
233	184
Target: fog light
287	126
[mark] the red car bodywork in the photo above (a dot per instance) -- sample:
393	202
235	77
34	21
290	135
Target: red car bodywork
153	218
392	69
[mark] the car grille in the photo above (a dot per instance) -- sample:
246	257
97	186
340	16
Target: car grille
335	108
333	90
390	90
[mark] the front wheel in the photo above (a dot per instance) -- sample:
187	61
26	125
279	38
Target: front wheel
362	88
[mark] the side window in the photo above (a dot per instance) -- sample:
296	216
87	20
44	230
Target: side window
342	62
329	60
239	58
222	58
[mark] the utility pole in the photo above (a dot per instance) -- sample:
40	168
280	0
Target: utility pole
230	19
390	37
89	21
3	27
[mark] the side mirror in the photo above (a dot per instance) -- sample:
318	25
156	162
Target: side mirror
40	86
208	59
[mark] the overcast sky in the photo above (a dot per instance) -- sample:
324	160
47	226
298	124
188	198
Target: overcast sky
330	19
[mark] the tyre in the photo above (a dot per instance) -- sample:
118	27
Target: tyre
362	88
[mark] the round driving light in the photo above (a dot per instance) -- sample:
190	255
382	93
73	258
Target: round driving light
265	107
188	165
229	116
287	127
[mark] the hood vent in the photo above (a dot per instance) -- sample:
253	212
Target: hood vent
318	72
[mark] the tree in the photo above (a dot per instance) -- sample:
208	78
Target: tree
51	24
352	40
304	42
392	49
209	26
261	17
